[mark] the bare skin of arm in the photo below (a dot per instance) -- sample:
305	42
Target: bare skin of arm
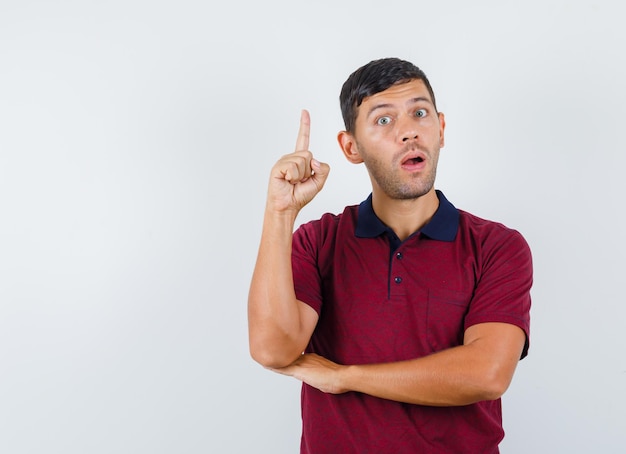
280	326
480	369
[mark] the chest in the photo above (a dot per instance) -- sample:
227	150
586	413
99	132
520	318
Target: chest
393	306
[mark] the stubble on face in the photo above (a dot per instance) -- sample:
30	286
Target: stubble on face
388	178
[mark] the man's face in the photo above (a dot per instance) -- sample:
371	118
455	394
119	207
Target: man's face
398	135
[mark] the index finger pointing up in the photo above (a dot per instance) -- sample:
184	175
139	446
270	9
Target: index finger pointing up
302	143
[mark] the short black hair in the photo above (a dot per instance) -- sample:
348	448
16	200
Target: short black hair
374	77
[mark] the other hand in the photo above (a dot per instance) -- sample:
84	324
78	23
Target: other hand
316	371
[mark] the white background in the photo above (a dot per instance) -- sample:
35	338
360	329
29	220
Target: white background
136	138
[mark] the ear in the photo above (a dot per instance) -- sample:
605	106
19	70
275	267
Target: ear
349	147
442	126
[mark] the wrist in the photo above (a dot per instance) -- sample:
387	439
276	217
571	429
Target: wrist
346	378
280	211
279	220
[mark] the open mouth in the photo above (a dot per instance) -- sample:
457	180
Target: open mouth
413	161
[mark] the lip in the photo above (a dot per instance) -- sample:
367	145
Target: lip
414	161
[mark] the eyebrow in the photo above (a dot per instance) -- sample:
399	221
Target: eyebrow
410	101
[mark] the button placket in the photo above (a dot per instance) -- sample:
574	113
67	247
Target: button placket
398	279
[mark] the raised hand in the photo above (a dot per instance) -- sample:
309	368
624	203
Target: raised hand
297	177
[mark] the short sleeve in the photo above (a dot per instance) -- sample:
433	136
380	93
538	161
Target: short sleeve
502	293
306	275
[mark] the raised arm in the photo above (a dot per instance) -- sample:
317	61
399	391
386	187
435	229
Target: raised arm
280	326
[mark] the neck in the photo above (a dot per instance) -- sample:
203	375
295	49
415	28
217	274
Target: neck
407	216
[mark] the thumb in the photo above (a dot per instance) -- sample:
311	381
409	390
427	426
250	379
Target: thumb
321	171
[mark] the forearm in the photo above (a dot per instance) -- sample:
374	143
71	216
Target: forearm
448	378
274	316
480	369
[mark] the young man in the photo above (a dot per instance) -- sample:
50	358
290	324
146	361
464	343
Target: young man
412	315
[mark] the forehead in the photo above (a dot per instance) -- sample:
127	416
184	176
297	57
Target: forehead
400	94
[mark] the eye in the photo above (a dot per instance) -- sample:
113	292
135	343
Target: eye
420	113
383	121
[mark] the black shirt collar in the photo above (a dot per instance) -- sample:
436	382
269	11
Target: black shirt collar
443	225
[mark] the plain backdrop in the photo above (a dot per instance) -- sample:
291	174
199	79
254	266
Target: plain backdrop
136	139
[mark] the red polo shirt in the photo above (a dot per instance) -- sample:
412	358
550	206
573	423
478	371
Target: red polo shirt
382	300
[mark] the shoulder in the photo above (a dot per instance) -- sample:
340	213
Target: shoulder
488	230
318	237
329	223
494	244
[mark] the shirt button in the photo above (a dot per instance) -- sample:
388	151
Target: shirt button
397	279
399	255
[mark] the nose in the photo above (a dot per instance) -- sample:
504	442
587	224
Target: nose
407	129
